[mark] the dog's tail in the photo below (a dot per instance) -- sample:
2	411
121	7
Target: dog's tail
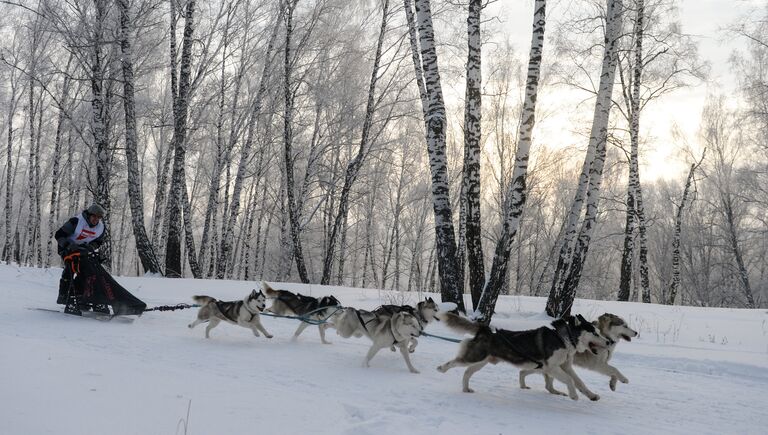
203	300
459	323
268	290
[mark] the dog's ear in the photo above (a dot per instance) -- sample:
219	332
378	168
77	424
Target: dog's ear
581	319
429	299
575	320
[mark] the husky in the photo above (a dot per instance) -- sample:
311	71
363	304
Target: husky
612	327
323	309
550	350
384	330
244	313
424	312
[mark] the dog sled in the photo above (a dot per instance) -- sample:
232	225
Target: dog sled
94	286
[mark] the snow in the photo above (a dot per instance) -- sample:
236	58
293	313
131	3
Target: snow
691	370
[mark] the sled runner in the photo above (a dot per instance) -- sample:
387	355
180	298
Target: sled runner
93	287
91	315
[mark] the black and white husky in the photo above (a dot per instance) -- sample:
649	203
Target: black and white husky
612	327
322	309
244	313
550	350
396	329
424	312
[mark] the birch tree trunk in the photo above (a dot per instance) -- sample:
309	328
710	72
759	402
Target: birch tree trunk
143	246
293	213
472	135
570	261
99	107
674	286
435	123
7	247
245	153
354	165
55	171
173	267
516	195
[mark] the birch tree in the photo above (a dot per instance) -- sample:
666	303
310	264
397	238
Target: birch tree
471	172
435	124
145	249
180	82
245	153
354	165
574	249
516	196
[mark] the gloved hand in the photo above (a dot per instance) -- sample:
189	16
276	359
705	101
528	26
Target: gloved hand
71	248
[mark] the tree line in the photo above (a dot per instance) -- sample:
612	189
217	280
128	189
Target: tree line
326	142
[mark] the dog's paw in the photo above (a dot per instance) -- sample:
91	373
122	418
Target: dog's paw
326	342
574	396
525	387
612	383
268	335
442	369
414	371
594	397
624	380
468	390
392	348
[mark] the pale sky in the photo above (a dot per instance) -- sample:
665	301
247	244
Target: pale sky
660	154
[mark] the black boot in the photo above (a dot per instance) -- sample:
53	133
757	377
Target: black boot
72	308
101	308
63	291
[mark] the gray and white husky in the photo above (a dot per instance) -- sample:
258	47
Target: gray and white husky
424	312
323	309
384	330
550	350
612	327
244	313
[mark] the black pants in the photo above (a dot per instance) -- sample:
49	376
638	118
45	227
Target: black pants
64	283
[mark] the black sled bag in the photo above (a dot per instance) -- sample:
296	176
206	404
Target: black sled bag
94	285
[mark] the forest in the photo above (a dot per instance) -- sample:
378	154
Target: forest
414	145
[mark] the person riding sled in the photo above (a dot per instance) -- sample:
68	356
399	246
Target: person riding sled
84	283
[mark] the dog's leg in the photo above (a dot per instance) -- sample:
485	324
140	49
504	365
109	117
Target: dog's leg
404	350
456	362
375	348
258	326
522	376
212	324
414	343
565	378
195	323
299	330
549	385
568	368
471	370
613	372
322	327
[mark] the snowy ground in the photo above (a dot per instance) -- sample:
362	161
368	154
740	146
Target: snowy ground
691	370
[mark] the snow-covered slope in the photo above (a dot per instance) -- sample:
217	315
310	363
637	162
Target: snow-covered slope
691	370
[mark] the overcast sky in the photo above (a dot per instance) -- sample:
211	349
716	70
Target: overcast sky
703	19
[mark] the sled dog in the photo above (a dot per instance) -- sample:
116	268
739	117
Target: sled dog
612	327
384	330
244	313
424	312
547	349
323	309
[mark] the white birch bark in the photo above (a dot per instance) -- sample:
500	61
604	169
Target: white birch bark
435	125
571	257
516	191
